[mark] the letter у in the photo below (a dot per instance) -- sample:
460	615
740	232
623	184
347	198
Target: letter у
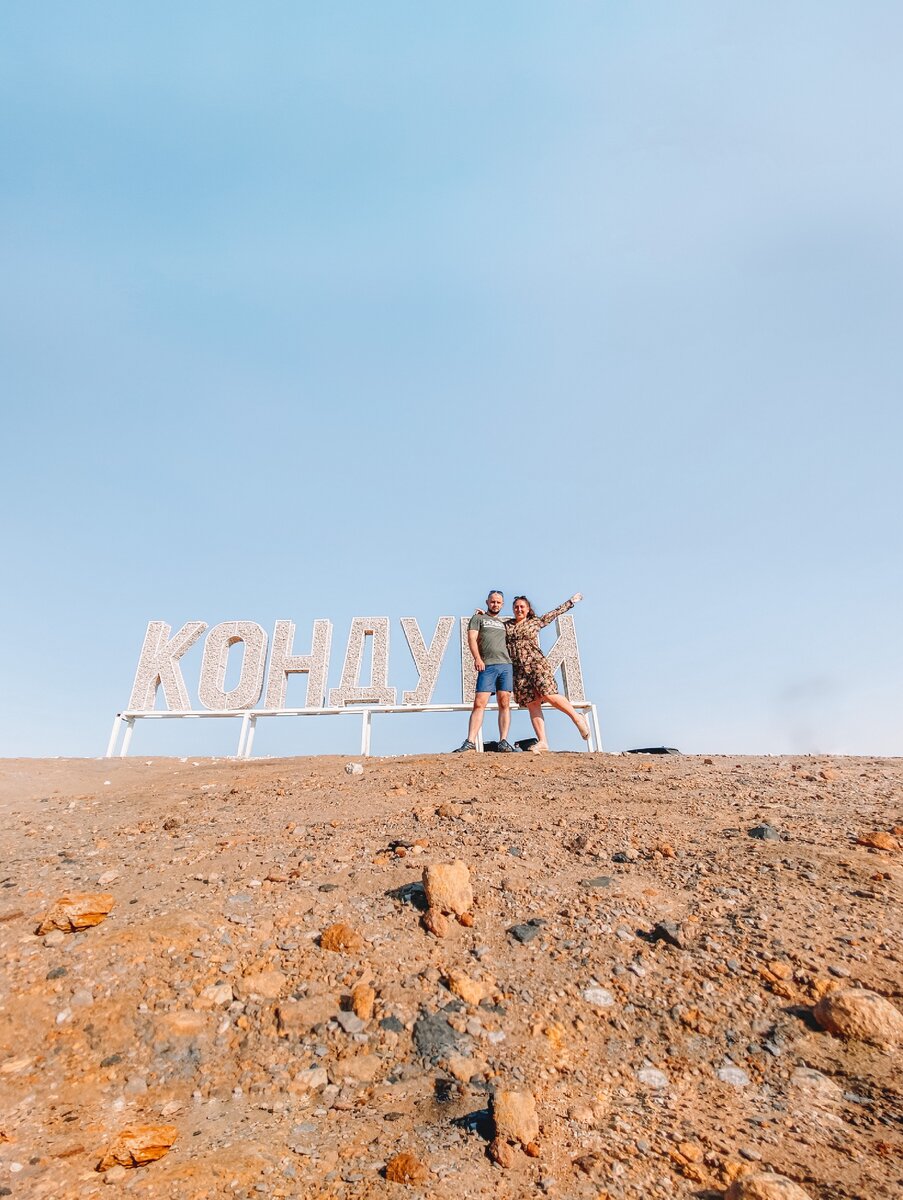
158	666
284	663
350	690
427	661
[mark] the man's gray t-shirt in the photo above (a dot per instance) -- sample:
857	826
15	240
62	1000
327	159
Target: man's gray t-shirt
493	648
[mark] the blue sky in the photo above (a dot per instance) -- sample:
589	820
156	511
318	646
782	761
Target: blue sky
322	311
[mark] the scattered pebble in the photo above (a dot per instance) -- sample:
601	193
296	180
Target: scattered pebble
735	1076
598	997
651	1077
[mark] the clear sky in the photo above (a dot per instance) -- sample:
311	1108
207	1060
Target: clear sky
323	310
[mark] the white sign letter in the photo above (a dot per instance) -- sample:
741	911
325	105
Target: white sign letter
283	663
468	670
565	654
427	661
211	688
350	690
158	666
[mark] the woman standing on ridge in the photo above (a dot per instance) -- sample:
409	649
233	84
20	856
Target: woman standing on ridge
534	681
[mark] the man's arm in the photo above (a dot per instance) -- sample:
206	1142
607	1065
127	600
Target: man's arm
473	640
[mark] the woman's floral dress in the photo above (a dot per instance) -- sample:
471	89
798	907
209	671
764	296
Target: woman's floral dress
532	674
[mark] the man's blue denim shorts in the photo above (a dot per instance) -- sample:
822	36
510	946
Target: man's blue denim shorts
496	677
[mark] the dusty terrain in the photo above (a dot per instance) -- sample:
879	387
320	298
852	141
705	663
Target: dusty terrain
665	1060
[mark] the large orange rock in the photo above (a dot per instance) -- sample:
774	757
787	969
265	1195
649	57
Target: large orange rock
137	1145
765	1185
469	990
500	1152
879	840
464	1068
301	1016
861	1014
269	985
341	938
447	887
76	910
515	1116
436	923
405	1168
363	998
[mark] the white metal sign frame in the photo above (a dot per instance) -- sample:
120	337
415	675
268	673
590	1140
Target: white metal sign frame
124	722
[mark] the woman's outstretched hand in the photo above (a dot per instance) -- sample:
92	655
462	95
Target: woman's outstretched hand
576	598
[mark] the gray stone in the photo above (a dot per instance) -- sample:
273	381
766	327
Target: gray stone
668	931
764	833
598	997
434	1038
349	1021
528	931
653	1078
735	1076
819	1088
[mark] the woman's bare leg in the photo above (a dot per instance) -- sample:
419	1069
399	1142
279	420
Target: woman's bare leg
539	725
564	705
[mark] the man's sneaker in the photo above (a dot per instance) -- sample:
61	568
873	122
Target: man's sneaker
468	745
505	747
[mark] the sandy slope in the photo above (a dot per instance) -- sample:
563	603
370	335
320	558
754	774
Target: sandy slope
702	1062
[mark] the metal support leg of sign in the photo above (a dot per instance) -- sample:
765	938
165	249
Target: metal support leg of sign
114	736
249	740
243	735
129	730
596	738
366	731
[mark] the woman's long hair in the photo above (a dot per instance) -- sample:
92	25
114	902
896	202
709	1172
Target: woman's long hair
530	612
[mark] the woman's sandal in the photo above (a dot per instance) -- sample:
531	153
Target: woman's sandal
539	748
583	726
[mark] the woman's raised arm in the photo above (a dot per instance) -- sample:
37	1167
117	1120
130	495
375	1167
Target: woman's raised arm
548	617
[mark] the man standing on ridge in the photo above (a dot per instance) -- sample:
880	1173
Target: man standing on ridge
486	639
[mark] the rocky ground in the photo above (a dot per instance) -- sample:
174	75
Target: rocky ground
623	1008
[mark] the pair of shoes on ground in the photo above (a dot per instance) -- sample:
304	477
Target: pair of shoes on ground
504	747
